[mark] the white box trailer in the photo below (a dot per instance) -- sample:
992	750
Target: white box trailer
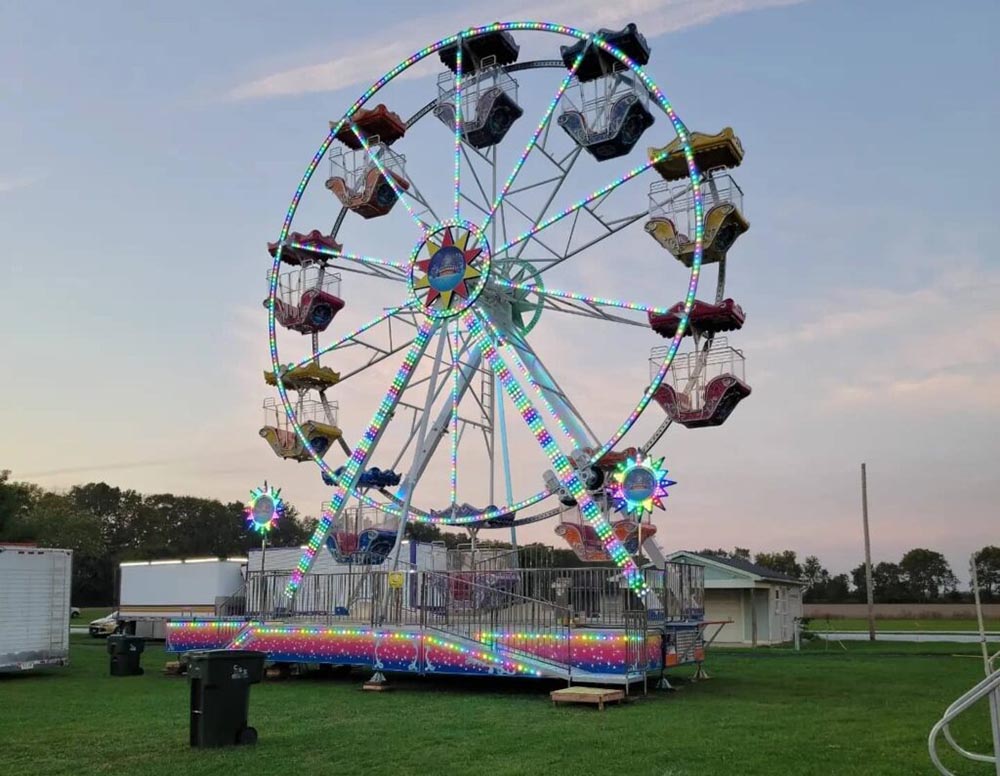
153	592
35	587
329	582
424	556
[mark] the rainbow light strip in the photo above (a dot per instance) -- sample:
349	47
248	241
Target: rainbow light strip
254	633
361	454
454	347
693	174
619	181
458	125
376	262
599	300
388	178
546	118
600	652
567	475
277	508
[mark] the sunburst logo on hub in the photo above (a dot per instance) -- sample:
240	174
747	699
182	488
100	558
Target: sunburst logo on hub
637	486
450	273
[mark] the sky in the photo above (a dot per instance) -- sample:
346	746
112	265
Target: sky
147	154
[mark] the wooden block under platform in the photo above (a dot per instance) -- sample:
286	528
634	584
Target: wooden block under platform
376	687
592	695
174	668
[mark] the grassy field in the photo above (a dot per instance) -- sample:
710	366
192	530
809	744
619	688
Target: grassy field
88	613
936	624
863	711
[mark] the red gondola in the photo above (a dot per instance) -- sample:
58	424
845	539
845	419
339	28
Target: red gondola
705	318
296	256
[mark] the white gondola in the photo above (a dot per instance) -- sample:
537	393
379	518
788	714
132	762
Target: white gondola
308	298
606	116
489	104
702	387
318	420
359	184
672	216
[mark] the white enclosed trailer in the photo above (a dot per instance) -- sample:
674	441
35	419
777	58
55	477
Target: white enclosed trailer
34	607
153	592
423	556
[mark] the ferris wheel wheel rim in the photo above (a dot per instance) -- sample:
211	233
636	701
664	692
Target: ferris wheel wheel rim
663	103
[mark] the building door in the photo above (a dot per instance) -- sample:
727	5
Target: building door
725	605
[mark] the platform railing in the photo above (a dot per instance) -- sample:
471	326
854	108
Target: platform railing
494	616
234	606
592	596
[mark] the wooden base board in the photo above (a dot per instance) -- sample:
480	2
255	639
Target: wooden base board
375	687
597	696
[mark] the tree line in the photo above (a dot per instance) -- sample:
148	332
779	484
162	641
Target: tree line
920	576
105	525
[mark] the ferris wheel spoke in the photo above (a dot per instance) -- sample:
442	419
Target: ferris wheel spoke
352	337
570	419
348	479
458	124
388	178
400	268
533	142
599	194
480	326
585	298
584	310
465	370
471	168
454	348
565	167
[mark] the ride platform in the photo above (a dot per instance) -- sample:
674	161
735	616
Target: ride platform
606	656
575	625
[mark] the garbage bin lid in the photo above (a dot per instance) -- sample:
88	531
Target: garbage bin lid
225	654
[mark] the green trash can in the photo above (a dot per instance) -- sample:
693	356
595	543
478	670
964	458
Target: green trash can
126	655
220	695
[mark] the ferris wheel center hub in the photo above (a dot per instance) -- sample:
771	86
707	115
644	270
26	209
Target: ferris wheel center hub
449	268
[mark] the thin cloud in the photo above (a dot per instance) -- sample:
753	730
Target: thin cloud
18	182
915	350
362	61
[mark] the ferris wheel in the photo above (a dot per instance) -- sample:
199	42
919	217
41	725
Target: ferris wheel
460	211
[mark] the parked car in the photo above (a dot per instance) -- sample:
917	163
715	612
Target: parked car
104	626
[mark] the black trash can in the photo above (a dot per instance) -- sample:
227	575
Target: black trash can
220	695
126	655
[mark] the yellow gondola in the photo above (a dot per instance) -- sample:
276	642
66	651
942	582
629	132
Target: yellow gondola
710	151
286	443
312	376
723	224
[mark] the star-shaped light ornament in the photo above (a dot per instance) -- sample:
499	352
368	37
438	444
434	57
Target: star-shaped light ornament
637	485
448	271
264	509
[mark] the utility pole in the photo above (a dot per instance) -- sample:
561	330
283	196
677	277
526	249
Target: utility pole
868	555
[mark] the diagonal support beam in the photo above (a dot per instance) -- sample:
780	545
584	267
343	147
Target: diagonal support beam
479	328
361	455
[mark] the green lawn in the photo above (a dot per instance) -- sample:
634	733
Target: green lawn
770	711
936	624
88	613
